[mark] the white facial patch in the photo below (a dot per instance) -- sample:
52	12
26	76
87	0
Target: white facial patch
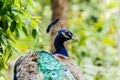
64	35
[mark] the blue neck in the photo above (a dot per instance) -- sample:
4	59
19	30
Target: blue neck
59	46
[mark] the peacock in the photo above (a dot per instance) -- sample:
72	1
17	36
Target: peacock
42	65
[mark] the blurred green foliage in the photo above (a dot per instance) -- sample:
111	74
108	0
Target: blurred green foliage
95	22
14	19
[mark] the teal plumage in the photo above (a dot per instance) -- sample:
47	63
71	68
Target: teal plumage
51	68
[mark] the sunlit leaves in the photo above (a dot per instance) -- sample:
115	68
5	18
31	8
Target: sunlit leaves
31	3
34	24
112	30
108	41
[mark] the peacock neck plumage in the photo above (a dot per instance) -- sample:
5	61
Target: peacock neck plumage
59	45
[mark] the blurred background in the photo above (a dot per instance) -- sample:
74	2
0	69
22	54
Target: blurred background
95	22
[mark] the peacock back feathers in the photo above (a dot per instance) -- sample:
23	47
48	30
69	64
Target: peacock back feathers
51	68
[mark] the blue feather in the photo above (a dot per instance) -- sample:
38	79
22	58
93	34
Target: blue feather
52	23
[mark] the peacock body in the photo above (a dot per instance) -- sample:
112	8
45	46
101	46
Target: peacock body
42	65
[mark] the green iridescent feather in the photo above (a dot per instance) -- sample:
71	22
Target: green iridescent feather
52	69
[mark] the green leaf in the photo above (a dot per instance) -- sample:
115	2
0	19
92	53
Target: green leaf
1	4
5	25
25	30
34	33
4	40
3	11
17	33
11	38
1	49
13	26
7	54
30	2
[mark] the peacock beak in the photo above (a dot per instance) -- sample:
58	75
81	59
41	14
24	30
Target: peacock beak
75	38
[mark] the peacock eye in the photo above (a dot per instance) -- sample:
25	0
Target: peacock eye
67	33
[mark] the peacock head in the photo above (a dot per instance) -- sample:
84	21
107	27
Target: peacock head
62	35
66	35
